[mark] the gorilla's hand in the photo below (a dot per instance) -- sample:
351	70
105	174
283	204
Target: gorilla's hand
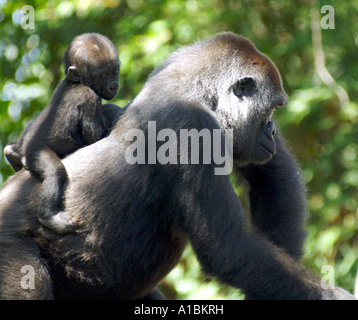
337	294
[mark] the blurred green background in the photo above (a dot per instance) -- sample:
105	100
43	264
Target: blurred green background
321	128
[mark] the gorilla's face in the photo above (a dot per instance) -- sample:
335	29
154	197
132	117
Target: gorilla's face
92	60
247	107
105	79
247	99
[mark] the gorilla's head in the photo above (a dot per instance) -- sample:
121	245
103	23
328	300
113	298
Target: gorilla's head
234	81
92	59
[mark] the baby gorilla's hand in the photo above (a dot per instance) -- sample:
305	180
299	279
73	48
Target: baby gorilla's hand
60	223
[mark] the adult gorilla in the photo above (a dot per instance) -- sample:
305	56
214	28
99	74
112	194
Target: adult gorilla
135	219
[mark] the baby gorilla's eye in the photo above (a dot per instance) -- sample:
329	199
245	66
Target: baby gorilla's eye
243	86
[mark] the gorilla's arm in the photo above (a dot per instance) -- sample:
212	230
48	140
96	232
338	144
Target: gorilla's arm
227	249
209	212
277	199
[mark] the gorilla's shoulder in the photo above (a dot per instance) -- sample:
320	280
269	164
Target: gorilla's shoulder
176	114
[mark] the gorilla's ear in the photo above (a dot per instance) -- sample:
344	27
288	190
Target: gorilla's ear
73	74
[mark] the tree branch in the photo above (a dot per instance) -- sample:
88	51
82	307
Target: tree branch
319	60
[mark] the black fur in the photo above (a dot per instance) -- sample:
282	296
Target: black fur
73	119
135	220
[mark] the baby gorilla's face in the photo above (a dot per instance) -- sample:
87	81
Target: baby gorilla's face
105	80
92	60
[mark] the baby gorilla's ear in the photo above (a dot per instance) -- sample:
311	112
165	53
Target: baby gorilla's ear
73	74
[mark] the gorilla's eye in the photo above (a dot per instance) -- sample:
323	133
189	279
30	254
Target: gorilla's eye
243	86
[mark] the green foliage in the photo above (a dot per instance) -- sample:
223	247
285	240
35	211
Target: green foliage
322	133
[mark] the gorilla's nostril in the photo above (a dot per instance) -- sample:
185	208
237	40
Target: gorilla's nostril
271	129
112	87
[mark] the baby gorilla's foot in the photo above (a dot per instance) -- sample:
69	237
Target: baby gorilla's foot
61	222
13	157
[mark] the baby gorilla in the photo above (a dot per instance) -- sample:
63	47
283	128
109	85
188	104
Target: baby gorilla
73	119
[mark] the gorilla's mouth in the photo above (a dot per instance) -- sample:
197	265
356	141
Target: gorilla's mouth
269	147
266	138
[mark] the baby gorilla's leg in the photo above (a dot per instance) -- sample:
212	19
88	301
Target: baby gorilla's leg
45	164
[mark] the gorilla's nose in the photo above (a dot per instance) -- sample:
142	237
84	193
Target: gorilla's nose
113	86
270	130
